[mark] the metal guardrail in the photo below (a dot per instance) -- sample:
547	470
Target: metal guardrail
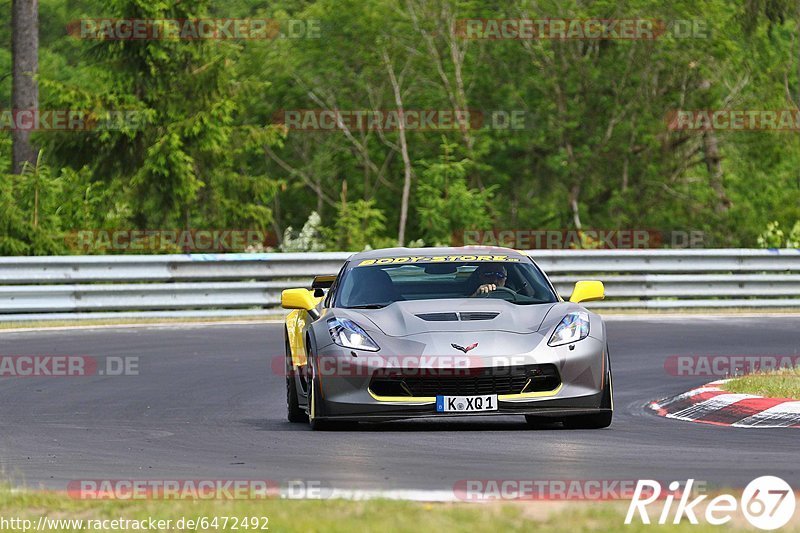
36	288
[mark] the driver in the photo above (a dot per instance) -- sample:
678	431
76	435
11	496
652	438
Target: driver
490	278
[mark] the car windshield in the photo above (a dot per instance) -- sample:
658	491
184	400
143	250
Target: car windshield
374	286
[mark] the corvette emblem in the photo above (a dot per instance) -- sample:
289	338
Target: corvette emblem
462	348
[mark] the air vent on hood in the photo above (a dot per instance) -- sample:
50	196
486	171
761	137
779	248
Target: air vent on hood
439	317
478	316
453	317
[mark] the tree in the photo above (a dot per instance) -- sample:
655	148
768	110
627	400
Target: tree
446	204
594	150
25	90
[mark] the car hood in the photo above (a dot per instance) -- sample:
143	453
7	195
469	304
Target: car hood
401	319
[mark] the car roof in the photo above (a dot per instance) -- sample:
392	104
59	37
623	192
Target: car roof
442	250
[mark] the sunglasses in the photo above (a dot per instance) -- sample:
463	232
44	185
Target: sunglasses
496	275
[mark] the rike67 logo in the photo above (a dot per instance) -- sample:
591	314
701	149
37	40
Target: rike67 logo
768	503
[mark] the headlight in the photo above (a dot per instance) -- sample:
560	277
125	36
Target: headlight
572	328
347	333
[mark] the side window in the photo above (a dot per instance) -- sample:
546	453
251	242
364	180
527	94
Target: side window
328	302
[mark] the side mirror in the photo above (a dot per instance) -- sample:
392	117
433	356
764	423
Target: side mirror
298	299
587	291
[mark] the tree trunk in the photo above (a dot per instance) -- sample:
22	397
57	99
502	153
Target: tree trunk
715	172
574	194
24	90
401	131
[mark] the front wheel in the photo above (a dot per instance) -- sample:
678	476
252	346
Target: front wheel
295	413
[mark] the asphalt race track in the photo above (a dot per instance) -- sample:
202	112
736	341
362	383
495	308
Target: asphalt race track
207	405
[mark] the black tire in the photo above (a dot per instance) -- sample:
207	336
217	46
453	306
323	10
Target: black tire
295	413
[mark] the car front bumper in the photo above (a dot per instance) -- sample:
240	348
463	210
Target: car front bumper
348	396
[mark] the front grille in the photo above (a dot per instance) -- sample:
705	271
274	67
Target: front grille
433	382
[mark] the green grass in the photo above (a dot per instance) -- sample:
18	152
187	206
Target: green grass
781	383
346	516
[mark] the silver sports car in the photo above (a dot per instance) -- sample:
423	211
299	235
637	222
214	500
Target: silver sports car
440	332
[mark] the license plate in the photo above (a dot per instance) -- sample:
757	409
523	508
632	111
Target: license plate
466	404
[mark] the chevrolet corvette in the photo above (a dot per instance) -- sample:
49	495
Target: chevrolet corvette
441	332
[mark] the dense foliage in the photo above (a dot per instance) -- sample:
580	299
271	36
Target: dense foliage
594	150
